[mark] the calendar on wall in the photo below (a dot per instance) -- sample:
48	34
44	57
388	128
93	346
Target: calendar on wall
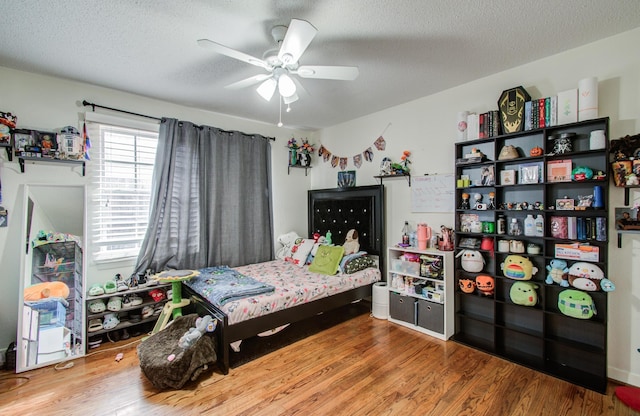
432	193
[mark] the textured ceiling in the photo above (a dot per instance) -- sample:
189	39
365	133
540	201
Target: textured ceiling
404	49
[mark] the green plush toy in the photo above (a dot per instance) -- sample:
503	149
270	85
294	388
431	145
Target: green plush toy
518	268
576	304
524	293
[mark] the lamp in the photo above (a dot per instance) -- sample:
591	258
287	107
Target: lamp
286	87
267	88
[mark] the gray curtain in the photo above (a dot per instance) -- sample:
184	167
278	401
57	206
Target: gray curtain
211	199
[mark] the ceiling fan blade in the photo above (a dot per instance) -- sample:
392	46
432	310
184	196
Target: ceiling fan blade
248	81
299	35
342	73
232	53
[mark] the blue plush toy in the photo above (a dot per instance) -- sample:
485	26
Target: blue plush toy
558	273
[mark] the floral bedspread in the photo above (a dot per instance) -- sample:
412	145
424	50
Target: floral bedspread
293	285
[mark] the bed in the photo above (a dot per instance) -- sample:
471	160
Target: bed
336	210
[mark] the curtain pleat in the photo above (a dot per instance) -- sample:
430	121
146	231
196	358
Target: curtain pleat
211	199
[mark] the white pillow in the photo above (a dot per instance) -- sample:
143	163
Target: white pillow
287	240
300	251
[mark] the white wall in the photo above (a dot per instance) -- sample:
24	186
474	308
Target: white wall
426	127
46	103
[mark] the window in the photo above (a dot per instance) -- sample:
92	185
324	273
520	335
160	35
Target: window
122	171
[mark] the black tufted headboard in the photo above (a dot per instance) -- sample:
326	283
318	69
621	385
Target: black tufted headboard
340	209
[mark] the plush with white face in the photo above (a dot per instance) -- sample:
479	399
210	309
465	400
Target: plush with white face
586	276
471	261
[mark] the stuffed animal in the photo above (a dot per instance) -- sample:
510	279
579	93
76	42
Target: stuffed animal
351	244
589	277
467	285
287	240
518	268
558	273
472	260
193	334
46	290
524	293
576	304
485	285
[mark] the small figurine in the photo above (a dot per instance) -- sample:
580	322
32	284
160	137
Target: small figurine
492	200
465	201
478	199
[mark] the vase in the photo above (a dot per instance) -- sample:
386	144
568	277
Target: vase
305	159
293	157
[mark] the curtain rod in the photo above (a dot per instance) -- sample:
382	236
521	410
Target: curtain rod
93	106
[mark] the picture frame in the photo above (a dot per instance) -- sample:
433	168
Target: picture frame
22	139
621	169
627	219
559	170
47	141
529	173
487	176
508	177
565	204
346	179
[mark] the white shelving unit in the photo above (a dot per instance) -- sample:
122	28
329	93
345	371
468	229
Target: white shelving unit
431	310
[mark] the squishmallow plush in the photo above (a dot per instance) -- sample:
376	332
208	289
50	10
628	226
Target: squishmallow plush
576	304
524	293
558	273
471	261
589	277
467	285
518	268
485	284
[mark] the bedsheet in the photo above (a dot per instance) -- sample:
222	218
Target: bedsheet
294	285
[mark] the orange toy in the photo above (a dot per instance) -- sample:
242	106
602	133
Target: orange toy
46	290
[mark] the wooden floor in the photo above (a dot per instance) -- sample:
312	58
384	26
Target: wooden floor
364	366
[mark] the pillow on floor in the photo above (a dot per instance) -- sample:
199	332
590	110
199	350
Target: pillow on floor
327	260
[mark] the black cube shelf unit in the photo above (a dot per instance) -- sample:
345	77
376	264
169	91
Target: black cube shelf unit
540	336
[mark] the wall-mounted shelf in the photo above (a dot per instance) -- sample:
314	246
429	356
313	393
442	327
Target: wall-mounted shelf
22	159
298	167
8	147
404	175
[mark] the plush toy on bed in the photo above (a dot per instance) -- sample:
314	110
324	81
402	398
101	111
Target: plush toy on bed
287	240
351	244
203	324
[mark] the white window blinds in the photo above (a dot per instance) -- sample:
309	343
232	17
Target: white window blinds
121	175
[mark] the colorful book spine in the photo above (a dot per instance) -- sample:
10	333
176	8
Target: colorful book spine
601	229
528	122
547	111
541	113
554	110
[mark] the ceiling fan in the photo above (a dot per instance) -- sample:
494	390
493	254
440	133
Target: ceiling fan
282	62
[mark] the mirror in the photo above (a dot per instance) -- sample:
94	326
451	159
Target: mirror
51	316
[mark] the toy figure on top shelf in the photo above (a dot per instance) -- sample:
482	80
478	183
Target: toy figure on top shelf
478	204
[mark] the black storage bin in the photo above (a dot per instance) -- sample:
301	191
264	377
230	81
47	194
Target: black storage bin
402	308
431	315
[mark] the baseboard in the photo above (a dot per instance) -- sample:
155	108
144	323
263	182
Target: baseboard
624	376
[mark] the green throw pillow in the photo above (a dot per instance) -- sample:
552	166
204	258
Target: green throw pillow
327	260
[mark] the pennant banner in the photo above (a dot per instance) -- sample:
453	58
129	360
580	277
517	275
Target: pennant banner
380	144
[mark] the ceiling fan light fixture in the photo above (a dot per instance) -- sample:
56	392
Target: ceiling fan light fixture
286	87
267	88
290	99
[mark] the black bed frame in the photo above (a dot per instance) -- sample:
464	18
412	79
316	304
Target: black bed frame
336	210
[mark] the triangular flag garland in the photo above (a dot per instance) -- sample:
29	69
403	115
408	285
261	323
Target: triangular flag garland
380	144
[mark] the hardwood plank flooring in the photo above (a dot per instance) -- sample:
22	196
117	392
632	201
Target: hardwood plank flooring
364	366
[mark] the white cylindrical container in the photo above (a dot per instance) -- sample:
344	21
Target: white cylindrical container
380	306
462	125
597	140
587	99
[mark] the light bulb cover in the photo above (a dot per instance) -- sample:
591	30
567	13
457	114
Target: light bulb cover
290	99
267	88
286	86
